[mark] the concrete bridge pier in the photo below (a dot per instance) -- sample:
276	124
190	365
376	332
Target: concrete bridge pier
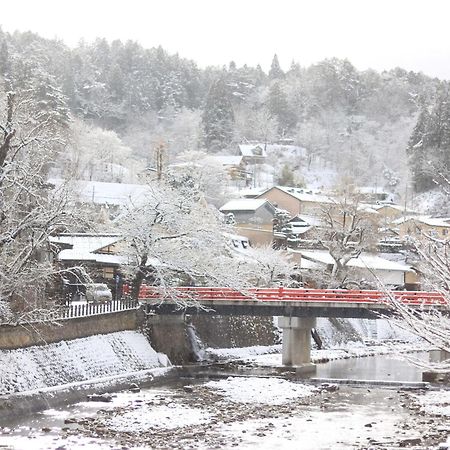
297	342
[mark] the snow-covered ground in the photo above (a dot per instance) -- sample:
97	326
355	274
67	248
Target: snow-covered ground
271	391
239	412
270	356
435	403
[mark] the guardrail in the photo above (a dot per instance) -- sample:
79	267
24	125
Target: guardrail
92	309
415	298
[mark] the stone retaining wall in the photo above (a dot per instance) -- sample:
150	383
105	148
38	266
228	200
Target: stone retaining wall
21	336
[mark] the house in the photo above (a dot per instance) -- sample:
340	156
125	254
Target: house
295	200
96	252
371	267
374	194
256	212
390	211
297	230
253	218
415	226
253	153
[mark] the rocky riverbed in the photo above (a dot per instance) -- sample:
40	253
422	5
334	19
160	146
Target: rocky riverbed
239	412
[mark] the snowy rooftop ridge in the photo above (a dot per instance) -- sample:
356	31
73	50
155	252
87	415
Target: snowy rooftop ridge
244	204
427	220
86	241
364	261
303	194
252	150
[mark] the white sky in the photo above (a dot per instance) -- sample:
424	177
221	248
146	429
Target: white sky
381	34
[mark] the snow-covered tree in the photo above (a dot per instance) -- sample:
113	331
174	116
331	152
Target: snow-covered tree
218	117
275	72
203	175
429	323
99	155
347	230
30	209
172	238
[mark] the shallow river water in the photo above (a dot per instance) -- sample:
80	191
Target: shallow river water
236	412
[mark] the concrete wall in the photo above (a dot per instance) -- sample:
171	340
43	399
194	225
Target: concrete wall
237	331
13	337
169	335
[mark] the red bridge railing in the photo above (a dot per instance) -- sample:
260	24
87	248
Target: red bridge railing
209	294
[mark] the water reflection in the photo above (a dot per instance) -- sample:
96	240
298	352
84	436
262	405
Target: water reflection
390	368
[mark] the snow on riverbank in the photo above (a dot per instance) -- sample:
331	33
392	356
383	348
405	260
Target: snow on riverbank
99	356
434	403
271	355
269	391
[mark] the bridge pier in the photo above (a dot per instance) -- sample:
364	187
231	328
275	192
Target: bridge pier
296	349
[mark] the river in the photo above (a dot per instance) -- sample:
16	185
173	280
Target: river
238	412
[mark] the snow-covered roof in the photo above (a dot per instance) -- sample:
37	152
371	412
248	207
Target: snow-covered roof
367	209
398	208
85	256
238	243
103	193
370	190
388	205
299	229
304	195
430	221
85	245
85	242
228	160
310	220
251	192
364	261
252	150
244	204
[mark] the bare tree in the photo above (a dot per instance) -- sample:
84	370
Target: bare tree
348	228
431	323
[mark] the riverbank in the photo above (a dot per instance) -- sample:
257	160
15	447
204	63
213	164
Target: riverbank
270	356
47	376
243	412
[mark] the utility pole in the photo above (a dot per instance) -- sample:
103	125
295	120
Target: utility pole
160	150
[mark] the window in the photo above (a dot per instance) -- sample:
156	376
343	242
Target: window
108	273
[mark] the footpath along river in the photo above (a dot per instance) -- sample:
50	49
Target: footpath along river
247	412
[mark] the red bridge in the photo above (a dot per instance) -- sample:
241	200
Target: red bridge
297	308
283	301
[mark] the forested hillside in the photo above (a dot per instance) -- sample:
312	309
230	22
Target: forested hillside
123	99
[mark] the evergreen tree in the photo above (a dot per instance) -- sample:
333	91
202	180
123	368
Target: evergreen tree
429	145
275	72
287	177
218	117
417	153
279	108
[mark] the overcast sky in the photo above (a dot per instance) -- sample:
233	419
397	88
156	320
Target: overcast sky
380	34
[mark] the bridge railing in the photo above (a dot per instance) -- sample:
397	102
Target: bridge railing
209	294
